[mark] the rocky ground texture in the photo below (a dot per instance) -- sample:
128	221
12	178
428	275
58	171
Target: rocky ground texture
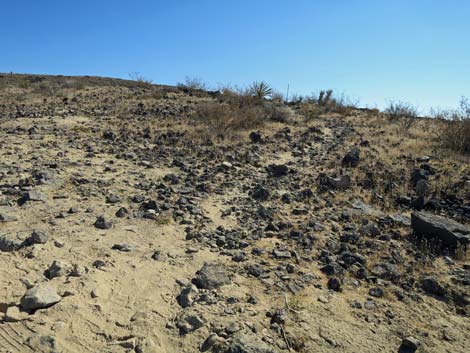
126	227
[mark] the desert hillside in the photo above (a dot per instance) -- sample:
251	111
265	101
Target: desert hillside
147	218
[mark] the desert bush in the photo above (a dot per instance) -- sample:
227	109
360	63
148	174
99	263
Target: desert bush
222	118
455	133
402	113
137	76
276	113
235	96
397	110
193	84
238	109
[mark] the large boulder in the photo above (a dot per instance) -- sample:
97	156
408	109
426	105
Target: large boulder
447	231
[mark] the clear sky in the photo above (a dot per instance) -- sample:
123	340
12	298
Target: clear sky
415	50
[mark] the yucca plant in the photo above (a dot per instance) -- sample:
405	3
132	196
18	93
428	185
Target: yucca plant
324	97
260	89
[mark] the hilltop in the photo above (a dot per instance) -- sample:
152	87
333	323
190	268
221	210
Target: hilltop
149	218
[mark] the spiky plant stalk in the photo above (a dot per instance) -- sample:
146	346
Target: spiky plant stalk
260	89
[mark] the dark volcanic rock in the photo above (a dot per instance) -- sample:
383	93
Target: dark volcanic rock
409	345
351	159
334	284
255	136
277	170
447	231
432	286
260	193
340	183
102	223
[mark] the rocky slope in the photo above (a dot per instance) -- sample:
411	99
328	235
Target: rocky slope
126	227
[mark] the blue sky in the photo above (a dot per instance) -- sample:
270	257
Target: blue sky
374	51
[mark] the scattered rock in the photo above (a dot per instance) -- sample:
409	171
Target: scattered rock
190	322
122	212
255	136
8	244
14	314
334	284
4	218
376	292
211	276
40	296
351	159
278	170
213	341
112	199
340	183
37	237
124	247
260	193
447	231
244	343
409	344
432	286
58	269
187	296
43	344
102	223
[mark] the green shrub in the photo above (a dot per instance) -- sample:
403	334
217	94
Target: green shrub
260	90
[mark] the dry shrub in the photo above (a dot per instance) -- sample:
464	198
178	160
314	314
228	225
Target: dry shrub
396	110
455	133
193	86
223	119
236	110
402	113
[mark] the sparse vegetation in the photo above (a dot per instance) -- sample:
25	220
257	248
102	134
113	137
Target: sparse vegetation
324	97
193	84
260	90
237	109
137	76
241	181
402	113
398	109
455	133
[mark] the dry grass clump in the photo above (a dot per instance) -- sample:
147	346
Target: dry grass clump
455	132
